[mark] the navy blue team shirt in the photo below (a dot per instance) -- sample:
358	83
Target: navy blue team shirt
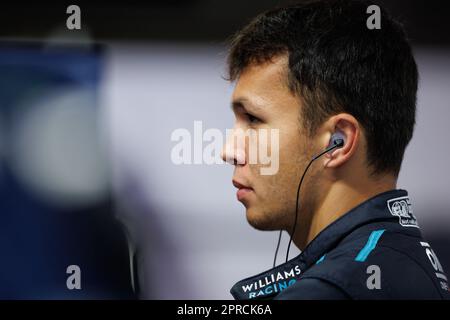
374	251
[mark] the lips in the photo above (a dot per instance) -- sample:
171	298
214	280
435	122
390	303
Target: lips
243	190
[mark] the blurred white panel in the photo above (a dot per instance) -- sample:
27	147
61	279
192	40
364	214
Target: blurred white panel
56	152
425	172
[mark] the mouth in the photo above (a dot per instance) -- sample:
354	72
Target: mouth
243	190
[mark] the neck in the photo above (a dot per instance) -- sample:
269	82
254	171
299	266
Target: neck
340	198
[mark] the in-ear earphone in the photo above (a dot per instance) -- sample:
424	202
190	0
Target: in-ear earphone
337	140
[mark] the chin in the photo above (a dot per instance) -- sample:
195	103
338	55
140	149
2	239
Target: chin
261	220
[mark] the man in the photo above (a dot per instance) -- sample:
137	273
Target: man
320	76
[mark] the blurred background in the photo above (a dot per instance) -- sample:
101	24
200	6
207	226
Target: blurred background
86	177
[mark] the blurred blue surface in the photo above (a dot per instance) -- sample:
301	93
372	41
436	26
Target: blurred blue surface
40	239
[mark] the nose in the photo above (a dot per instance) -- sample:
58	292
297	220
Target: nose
233	152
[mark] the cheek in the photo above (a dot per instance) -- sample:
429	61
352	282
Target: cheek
278	189
283	185
284	147
275	148
290	148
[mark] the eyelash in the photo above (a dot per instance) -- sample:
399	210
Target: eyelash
251	118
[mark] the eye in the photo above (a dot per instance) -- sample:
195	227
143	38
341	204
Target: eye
251	118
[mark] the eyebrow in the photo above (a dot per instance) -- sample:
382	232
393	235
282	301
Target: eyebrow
244	103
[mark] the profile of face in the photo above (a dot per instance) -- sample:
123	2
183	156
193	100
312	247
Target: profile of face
262	101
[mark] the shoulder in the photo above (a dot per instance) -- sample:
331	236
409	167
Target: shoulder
378	264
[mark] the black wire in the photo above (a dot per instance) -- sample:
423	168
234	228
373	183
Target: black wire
296	215
276	251
296	206
337	143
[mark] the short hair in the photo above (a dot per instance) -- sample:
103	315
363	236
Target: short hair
337	64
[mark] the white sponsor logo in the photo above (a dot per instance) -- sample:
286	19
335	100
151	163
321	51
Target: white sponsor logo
442	278
401	207
272	283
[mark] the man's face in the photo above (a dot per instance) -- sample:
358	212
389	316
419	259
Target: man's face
262	100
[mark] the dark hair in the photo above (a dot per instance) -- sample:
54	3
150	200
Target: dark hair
337	64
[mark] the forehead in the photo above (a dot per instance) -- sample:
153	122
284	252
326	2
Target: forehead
263	79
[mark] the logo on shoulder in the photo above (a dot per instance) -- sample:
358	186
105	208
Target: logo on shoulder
401	207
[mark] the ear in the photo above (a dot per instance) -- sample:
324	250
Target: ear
349	127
